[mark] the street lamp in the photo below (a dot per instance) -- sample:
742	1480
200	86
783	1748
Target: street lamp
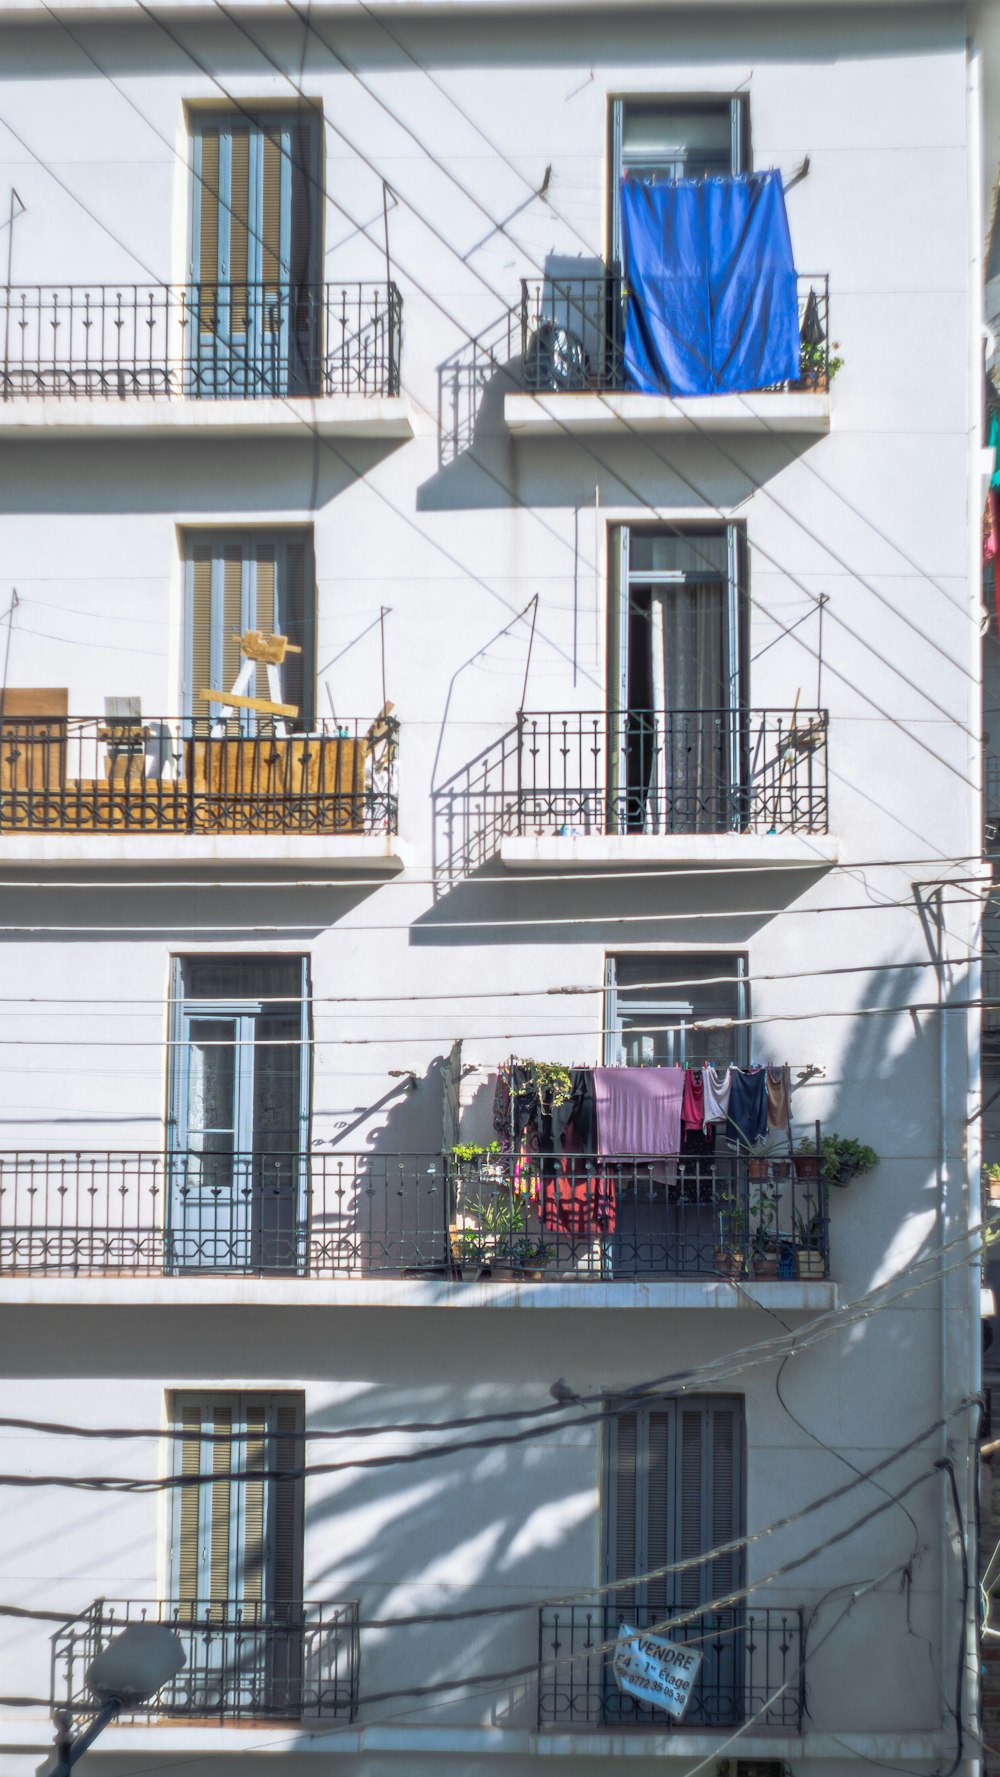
131	1669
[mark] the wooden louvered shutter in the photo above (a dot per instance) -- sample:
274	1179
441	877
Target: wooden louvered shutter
201	626
689	1505
208	234
656	1550
725	1497
187	1546
232	614
296	613
625	1475
270	245
221	1507
265	571
254	1519
239	228
287	1517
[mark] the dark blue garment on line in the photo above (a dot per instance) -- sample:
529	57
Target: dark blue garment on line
712	306
747	1106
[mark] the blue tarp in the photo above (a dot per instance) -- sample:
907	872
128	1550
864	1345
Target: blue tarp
712	303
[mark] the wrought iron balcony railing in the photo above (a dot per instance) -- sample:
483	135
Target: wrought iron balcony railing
204	341
569	333
672	771
752	1661
245	1661
85	774
341	1215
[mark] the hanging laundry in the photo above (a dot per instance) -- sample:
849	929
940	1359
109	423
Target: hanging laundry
747	1106
638	1109
716	1087
779	1097
578	1200
693	1102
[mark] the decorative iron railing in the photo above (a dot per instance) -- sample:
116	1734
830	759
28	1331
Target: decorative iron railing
87	774
672	771
244	1660
753	1664
204	341
570	332
349	1215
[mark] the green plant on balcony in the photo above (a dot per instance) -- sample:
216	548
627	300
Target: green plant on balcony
991	1183
843	1158
816	369
500	1235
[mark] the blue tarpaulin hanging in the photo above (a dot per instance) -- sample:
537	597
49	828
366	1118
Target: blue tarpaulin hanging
712	305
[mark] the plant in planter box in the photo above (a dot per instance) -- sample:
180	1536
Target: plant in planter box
730	1257
806	1160
475	1162
764	1236
844	1159
810	1260
816	370
991	1183
501	1237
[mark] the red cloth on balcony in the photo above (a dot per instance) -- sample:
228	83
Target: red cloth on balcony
693	1102
574	1200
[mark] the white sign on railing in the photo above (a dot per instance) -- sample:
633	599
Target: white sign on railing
656	1671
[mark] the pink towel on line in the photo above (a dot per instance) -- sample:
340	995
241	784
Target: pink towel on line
638	1109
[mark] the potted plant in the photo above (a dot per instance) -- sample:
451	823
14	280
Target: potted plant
730	1256
806	1160
991	1183
844	1159
499	1241
810	1260
816	369
476	1163
764	1239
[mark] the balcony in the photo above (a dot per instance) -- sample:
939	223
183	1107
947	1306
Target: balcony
346	1217
159	360
566	338
159	779
706	786
752	1662
246	1662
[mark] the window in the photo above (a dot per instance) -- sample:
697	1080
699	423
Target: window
672	138
676	678
651	1001
674	1489
239	1107
248	580
235	1556
255	255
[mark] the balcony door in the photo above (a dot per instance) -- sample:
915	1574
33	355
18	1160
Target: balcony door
673	1489
239	1121
677	736
255	304
674	138
237	581
235	1555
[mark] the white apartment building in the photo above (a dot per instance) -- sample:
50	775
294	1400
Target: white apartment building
624	712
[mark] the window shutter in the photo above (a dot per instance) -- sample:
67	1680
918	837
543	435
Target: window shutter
657	1540
259	1453
232	613
220	1498
726	1570
208	239
239	228
187	1550
689	1506
296	607
201	627
270	250
287	1503
625	1552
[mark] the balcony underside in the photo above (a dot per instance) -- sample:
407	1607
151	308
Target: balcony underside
214	1289
587	414
386	417
379	853
748	851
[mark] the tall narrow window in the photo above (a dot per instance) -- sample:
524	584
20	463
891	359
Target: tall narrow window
656	1006
238	581
239	1097
674	138
255	255
676	677
673	1490
236	1552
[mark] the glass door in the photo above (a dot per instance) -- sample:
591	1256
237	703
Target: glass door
238	1144
255	304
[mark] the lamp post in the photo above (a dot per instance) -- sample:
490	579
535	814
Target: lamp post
131	1669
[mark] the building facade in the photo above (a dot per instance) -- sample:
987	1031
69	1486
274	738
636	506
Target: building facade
404	694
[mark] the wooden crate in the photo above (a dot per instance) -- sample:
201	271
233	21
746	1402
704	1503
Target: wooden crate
277	784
